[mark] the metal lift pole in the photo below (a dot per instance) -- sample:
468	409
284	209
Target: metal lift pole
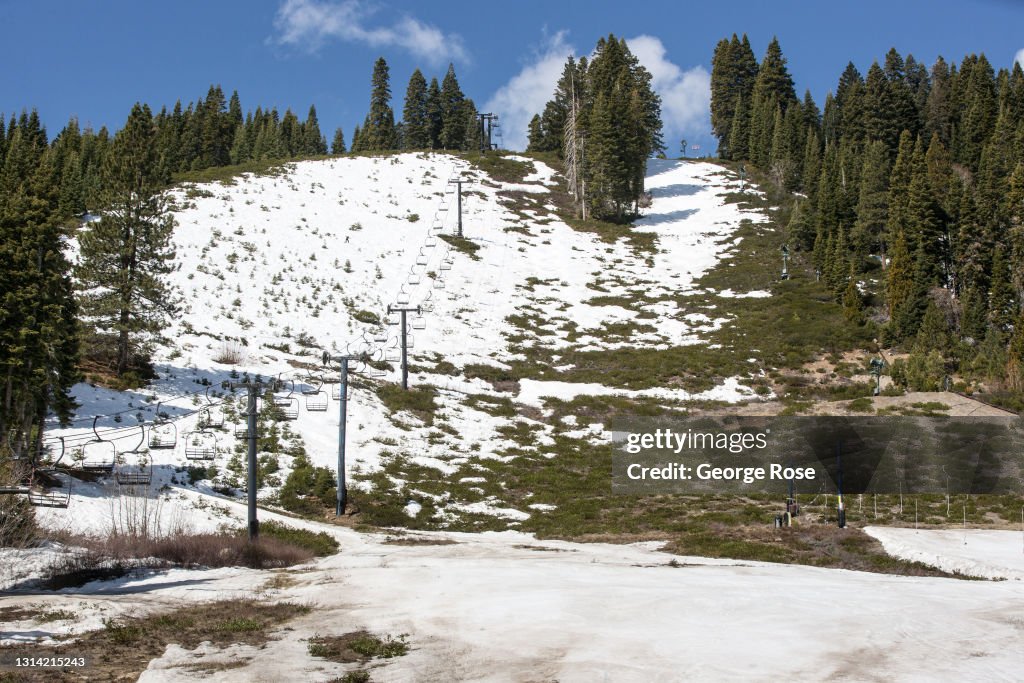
253	390
458	184
403	310
341	484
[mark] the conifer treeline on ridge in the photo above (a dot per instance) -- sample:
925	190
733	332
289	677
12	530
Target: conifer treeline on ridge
910	173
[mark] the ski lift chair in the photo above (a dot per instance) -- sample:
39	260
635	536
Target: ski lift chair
163	434
98	454
286	407
316	401
139	473
419	322
211	415
47	495
200	445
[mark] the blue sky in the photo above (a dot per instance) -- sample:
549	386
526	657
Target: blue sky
94	60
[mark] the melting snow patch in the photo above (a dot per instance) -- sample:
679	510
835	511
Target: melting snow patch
985	553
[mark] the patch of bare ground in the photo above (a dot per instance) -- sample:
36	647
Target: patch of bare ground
418	540
817	545
122	650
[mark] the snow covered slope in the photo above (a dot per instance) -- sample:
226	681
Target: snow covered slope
274	268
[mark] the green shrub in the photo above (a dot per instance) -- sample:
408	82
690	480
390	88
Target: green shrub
319	543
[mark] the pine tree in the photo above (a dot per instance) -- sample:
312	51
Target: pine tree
1002	303
899	184
378	133
924	223
900	275
414	114
338	144
434	114
800	229
1015	232
869	234
933	335
535	135
773	80
739	132
126	254
553	120
734	69
979	102
313	143
38	333
938	113
853	304
453	120
1015	356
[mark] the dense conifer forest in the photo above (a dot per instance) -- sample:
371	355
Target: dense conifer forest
909	198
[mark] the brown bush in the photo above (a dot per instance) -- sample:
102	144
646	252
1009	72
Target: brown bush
113	556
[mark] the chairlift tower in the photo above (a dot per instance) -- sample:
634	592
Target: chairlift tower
404	311
459	182
253	388
488	122
341	486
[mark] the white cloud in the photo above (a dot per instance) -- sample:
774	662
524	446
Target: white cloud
308	24
685	95
528	91
1020	57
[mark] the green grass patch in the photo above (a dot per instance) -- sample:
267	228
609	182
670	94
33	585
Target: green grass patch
463	246
319	543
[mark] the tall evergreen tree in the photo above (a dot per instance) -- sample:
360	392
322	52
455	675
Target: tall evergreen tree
869	234
378	132
414	114
434	113
126	255
453	119
313	143
338	144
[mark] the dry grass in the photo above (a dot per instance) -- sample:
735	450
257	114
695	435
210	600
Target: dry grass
358	646
124	647
114	556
